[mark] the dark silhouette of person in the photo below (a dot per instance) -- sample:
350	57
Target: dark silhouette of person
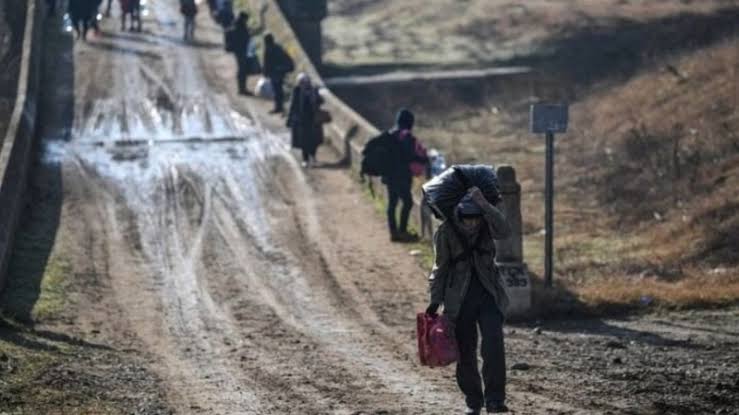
80	13
304	119
399	178
237	42
277	64
466	281
189	11
131	8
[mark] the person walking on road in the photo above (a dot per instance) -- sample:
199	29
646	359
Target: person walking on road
131	8
108	8
398	178
80	13
237	39
277	64
305	119
189	10
466	281
225	13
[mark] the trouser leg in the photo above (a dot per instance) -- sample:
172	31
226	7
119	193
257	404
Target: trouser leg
492	350
405	212
241	73
191	28
306	153
278	92
392	204
468	375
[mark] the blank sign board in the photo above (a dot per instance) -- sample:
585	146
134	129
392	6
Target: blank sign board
549	118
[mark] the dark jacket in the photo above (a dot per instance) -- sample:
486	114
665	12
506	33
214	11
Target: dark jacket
401	154
188	8
307	132
277	63
81	9
450	277
237	39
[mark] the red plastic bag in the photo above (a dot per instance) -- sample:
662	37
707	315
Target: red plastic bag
436	344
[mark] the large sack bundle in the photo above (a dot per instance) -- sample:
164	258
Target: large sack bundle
443	192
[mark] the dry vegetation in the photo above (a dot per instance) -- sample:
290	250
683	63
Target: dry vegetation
474	32
647	209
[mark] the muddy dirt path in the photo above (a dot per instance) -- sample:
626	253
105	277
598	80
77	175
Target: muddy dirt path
249	285
201	243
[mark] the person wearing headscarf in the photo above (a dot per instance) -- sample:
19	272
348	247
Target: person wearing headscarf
304	118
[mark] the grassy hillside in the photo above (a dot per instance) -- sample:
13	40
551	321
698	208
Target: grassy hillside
477	32
647	208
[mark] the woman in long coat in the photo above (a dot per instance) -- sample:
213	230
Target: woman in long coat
304	119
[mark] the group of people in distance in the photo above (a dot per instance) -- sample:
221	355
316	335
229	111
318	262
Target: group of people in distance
305	117
84	15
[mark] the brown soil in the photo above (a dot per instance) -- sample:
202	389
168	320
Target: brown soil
244	284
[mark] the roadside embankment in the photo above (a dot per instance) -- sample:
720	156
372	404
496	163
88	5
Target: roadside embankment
16	146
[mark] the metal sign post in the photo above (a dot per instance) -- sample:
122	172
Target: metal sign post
549	119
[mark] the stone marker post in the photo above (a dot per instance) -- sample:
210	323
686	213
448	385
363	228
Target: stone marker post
510	251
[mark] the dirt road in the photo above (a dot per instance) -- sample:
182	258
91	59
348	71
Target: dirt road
252	287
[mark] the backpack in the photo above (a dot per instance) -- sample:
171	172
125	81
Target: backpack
375	156
229	41
286	64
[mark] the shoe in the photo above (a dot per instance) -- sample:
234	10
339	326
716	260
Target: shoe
496	407
472	411
277	111
408	237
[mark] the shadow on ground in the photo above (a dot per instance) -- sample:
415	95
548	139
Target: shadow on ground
30	261
623	46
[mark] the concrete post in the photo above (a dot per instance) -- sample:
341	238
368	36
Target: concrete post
305	18
510	251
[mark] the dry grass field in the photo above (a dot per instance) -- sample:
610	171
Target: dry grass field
647	209
477	32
